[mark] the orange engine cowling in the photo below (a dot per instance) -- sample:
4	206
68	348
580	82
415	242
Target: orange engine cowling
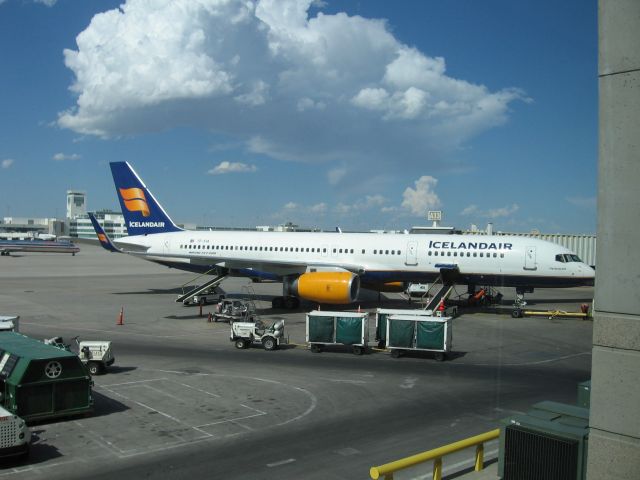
327	287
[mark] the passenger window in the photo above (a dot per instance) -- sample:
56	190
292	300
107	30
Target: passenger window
363	251
435	254
475	254
375	251
386	252
448	254
481	254
502	255
399	252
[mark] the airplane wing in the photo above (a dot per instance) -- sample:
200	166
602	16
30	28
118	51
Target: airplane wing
104	239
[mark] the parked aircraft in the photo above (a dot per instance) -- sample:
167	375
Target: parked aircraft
330	267
36	245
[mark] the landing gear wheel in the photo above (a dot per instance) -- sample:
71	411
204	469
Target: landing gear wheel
290	303
395	353
269	343
516	313
358	350
94	368
315	348
440	356
277	302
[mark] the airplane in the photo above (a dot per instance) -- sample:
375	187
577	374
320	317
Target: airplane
37	245
331	267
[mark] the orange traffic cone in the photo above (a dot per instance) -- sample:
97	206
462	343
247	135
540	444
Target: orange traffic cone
121	317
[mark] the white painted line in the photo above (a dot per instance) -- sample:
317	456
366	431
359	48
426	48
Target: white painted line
199	390
161	392
230	420
131	383
281	462
522	364
161	413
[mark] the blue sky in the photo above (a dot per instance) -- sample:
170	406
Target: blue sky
362	114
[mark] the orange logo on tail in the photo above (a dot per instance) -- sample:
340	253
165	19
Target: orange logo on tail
135	200
102	237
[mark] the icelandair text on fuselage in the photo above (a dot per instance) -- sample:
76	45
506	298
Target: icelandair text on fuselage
471	245
146	224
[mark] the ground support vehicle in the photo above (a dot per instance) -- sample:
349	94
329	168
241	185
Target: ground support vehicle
338	328
381	320
42	382
15	436
244	334
9	323
419	333
211	296
96	355
233	310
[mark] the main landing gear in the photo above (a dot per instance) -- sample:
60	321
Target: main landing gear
288	303
519	303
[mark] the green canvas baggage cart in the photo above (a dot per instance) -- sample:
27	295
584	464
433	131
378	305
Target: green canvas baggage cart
419	333
338	328
381	321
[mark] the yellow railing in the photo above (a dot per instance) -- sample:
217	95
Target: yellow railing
436	455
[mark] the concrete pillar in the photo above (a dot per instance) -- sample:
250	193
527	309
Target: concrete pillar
614	440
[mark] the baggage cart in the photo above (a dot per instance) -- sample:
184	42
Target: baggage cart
419	333
338	328
381	320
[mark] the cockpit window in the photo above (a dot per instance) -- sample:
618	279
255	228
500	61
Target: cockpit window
566	257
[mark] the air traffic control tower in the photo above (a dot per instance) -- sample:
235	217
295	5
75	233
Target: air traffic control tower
614	439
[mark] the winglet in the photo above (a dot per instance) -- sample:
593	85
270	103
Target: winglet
105	241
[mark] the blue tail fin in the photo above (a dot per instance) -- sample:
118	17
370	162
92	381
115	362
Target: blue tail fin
105	241
142	212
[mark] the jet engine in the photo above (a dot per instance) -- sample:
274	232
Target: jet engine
326	287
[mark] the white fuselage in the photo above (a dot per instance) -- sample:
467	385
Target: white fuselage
376	258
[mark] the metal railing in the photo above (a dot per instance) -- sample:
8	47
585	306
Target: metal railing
388	469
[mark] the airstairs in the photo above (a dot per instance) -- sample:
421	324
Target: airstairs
217	280
438	291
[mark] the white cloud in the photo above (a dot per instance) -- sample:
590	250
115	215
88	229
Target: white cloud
326	87
336	174
421	199
470	210
503	211
63	156
584	202
232	167
7	162
491	213
48	3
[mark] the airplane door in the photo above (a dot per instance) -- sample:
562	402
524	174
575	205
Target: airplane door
530	258
166	247
412	254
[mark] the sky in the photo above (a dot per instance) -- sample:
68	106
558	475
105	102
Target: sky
359	114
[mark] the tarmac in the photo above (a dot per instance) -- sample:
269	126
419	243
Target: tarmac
181	401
